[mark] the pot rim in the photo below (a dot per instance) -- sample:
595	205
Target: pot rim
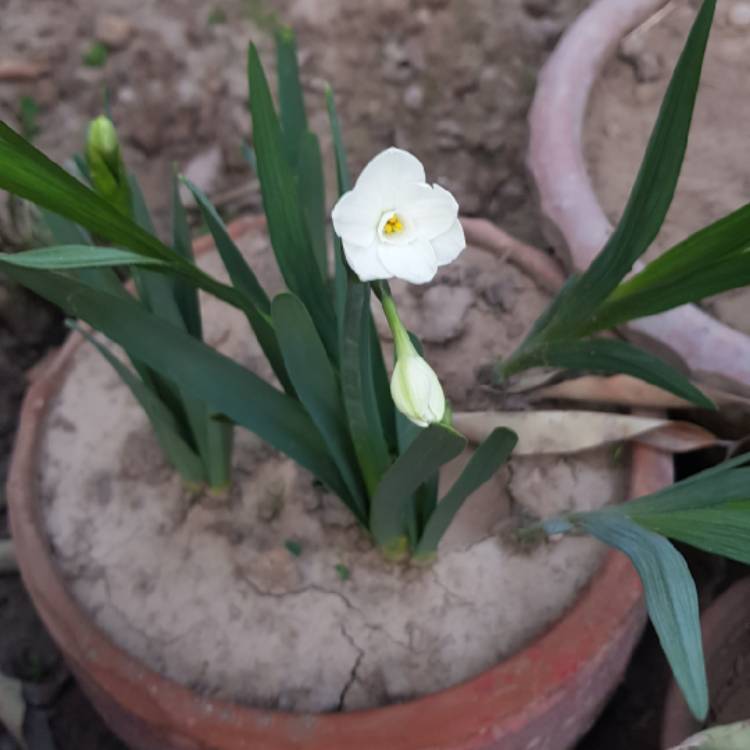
494	704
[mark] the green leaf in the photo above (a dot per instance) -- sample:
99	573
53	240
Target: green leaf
485	461
237	267
64	232
167	431
313	196
27	172
291	99
186	296
293	547
226	387
720	530
342	170
242	276
69	257
358	389
710	510
433	447
218	452
653	190
712	487
609	356
671	599
341	273
286	222
316	384
713	260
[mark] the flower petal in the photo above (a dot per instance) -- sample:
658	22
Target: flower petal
355	218
448	246
433	214
381	178
415	262
364	261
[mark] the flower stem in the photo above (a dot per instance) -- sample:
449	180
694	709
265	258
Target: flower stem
401	339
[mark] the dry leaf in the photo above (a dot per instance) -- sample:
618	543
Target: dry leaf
12	69
624	390
729	737
12	708
8	563
558	432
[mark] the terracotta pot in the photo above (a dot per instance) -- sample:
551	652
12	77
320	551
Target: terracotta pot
544	697
571	208
726	641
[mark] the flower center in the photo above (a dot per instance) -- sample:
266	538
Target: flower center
394	225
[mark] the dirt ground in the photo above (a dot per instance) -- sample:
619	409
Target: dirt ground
451	81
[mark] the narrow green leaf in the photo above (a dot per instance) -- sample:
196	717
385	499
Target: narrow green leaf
487	459
167	431
218	453
313	197
237	267
357	388
671	599
610	356
291	98
710	510
341	273
158	291
249	153
342	170
27	172
286	222
316	384
432	448
65	232
225	386
685	285
720	530
654	186
186	295
727	236
69	257
242	276
713	487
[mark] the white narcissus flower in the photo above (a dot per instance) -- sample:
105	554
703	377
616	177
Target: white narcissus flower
393	224
416	390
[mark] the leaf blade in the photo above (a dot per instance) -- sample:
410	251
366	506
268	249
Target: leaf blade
654	186
286	223
487	459
433	447
243	396
316	384
610	356
671	599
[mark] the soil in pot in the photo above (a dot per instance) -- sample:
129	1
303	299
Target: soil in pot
623	108
273	596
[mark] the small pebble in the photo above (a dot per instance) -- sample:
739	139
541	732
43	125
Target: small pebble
739	15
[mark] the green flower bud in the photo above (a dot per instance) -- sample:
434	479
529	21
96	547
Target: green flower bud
102	142
106	169
415	387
